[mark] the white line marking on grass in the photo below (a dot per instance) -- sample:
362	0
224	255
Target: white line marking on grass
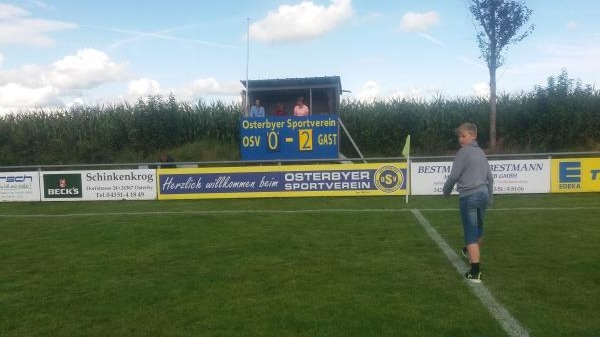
506	320
279	211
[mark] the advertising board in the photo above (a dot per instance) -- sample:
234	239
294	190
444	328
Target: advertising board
283	181
99	185
19	186
510	176
574	175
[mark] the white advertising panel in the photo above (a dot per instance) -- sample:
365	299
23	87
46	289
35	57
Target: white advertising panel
19	186
521	176
510	176
427	178
99	185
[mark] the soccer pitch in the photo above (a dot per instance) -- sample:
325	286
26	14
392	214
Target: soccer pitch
297	267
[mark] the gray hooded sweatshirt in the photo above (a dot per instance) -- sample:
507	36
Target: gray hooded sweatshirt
470	172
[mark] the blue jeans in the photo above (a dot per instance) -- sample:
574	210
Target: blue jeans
472	212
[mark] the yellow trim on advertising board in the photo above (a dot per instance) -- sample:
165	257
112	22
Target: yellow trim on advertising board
277	168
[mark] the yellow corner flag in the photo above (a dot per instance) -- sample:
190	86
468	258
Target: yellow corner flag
406	149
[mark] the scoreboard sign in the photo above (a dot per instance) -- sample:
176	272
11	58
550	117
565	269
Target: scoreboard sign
272	138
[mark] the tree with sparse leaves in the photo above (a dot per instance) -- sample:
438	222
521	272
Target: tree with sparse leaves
498	23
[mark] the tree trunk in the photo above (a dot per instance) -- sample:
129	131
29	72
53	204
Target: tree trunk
493	103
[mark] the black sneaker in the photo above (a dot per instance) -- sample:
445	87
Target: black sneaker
465	252
475	278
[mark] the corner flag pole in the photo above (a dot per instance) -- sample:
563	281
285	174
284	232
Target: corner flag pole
406	153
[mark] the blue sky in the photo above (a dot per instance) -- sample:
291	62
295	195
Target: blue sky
66	52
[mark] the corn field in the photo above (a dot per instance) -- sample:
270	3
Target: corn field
96	134
564	116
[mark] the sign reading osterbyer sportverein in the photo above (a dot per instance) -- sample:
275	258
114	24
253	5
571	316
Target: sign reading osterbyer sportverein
312	137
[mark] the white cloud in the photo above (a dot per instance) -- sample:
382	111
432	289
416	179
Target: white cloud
87	68
419	22
303	21
28	75
10	11
204	87
75	102
1	59
481	89
144	87
34	85
369	91
416	93
17	28
17	96
211	86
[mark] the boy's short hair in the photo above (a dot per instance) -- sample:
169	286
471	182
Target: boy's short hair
467	127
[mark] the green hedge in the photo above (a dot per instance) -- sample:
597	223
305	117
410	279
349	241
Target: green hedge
101	134
563	116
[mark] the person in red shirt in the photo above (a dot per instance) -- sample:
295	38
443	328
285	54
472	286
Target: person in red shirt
279	110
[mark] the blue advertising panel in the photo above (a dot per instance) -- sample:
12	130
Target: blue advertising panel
273	138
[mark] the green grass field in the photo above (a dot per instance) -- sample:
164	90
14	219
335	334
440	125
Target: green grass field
294	267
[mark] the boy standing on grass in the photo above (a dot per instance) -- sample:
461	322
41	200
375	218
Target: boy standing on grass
475	184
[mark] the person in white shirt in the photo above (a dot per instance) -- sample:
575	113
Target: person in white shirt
257	110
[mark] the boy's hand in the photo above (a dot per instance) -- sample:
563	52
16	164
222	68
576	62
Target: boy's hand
446	191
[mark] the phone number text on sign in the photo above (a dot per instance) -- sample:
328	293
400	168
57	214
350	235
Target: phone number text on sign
119	185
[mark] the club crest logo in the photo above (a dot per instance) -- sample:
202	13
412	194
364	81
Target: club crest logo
389	178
